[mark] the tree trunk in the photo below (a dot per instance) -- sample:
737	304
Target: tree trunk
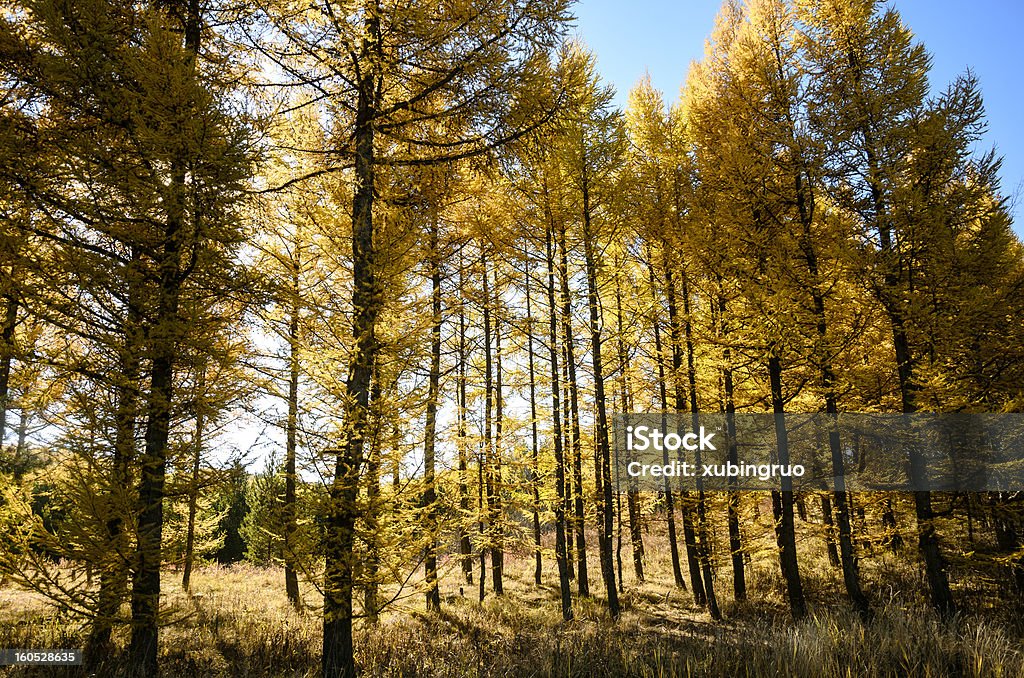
338	657
465	545
535	438
164	336
892	298
481	523
570	520
490	452
578	527
739	580
556	423
703	539
830	530
288	510
433	595
10	323
633	493
498	546
602	457
685	502
847	557
786	530
673	541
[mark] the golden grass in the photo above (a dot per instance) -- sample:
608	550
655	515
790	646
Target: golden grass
239	623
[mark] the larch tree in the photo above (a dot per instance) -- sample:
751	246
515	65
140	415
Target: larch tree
648	183
386	68
591	151
725	103
145	164
868	95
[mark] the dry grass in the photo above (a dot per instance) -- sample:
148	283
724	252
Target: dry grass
239	624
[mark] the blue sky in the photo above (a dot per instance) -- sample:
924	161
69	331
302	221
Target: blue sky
662	37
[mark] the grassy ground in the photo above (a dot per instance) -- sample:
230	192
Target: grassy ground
238	623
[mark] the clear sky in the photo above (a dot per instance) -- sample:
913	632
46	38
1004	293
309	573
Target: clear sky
662	37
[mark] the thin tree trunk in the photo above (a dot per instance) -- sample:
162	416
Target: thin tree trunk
481	524
893	539
703	540
892	299
10	323
498	546
288	510
786	529
570	520
739	580
602	457
846	556
556	423
633	494
673	541
490	452
830	530
535	438
433	595
583	579
20	446
465	545
685	503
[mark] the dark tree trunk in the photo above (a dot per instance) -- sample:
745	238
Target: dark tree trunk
339	657
927	539
10	323
786	529
846	555
570	520
465	545
602	457
892	295
535	438
578	526
556	423
703	539
485	470
433	595
491	467
673	541
633	493
685	501
163	337
739	580
146	582
482	523
288	510
498	546
830	530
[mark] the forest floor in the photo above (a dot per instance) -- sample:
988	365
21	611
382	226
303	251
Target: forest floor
237	622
